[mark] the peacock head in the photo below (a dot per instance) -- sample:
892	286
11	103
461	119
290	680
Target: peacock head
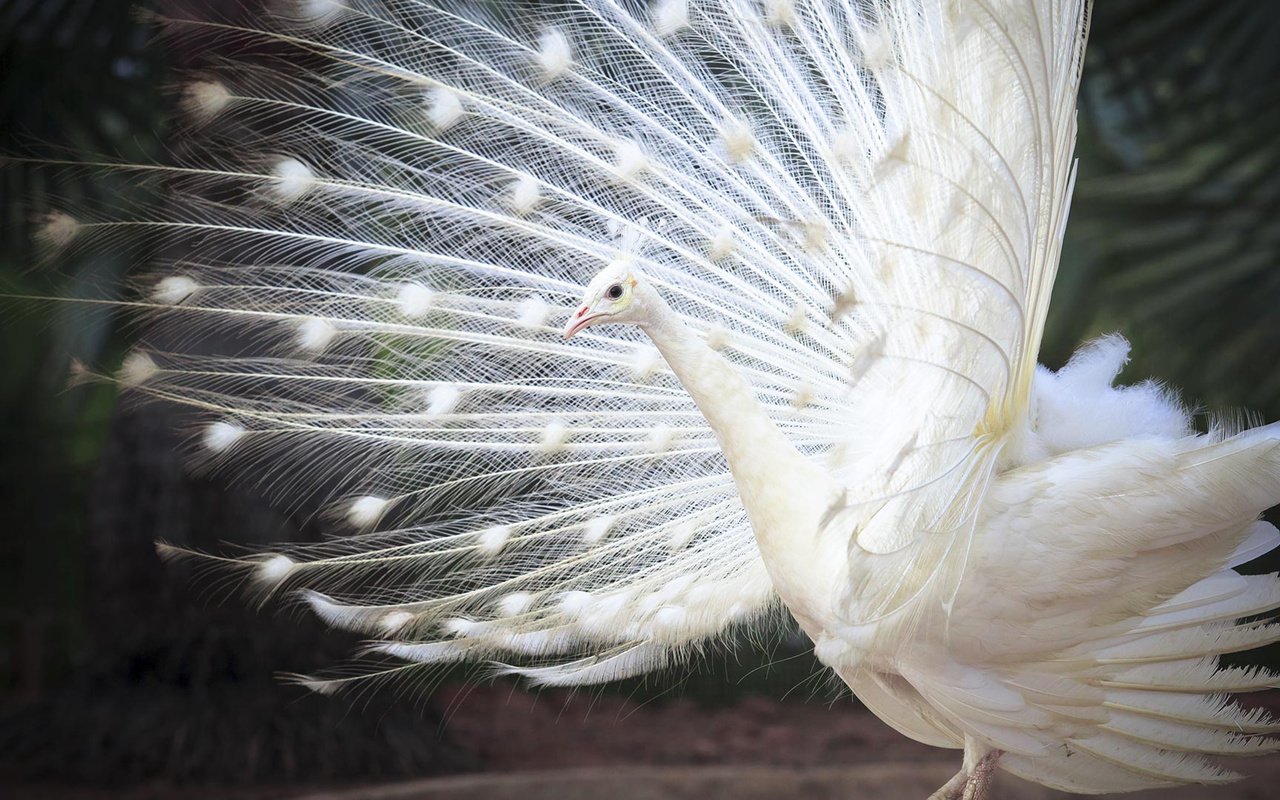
616	294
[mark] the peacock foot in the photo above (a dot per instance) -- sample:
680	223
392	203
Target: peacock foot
970	785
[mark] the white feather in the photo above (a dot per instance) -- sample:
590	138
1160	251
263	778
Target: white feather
315	335
205	99
444	108
525	195
136	369
274	569
292	180
414	299
554	54
670	16
173	289
492	540
442	399
367	510
220	436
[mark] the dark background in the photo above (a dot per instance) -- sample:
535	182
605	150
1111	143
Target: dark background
116	671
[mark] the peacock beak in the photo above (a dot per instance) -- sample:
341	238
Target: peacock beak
580	319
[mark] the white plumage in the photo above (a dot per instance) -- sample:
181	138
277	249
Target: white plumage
839	224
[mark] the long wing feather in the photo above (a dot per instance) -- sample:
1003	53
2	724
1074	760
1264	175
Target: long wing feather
964	216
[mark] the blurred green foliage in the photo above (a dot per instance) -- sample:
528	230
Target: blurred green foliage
1175	233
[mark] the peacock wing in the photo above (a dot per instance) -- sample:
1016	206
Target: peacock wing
966	198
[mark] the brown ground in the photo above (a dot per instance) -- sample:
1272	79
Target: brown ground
573	745
514	730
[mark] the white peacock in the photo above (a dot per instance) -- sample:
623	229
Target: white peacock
836	226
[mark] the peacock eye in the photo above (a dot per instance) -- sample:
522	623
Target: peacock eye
613	292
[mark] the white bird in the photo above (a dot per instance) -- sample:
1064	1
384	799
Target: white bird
836	226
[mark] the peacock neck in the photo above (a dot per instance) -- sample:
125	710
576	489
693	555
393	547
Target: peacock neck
779	486
787	497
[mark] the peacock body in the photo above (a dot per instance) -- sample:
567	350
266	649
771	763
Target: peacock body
826	234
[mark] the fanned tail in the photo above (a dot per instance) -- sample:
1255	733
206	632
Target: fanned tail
366	256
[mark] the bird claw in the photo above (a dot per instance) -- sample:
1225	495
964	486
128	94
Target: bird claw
970	785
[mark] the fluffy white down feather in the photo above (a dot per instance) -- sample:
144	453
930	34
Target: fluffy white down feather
1079	406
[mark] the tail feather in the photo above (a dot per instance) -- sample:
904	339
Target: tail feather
1262	539
1212	639
1170	735
1215	710
1153	762
1253	594
1192	675
1082	771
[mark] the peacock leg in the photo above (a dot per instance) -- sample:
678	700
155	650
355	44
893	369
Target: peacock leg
980	779
951	789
